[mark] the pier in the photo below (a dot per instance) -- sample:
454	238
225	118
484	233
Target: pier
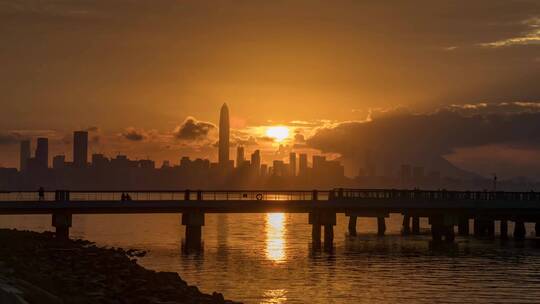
447	211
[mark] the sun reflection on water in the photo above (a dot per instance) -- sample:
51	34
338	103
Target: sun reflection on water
274	296
275	237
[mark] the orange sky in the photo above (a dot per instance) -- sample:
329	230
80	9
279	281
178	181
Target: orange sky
147	66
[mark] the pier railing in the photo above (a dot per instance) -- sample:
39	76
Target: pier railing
271	195
176	195
434	195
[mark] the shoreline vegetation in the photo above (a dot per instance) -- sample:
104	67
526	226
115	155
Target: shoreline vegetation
38	268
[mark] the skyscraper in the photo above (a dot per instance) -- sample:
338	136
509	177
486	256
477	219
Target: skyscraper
224	136
42	153
292	163
256	160
80	149
24	155
239	156
302	165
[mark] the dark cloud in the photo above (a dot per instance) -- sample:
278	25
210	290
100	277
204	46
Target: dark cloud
92	129
134	134
265	139
424	139
9	138
192	129
250	141
299	138
95	139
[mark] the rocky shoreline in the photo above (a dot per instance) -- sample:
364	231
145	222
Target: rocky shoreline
37	268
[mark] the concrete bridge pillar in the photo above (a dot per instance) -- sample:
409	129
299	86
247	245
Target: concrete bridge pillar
490	227
477	227
463	226
519	230
193	221
436	229
537	229
504	229
484	227
406	224
416	225
381	225
328	235
62	222
442	226
352	225
319	219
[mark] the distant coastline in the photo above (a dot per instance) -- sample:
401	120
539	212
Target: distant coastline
37	268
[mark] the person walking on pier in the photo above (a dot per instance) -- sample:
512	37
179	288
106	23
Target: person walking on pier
41	194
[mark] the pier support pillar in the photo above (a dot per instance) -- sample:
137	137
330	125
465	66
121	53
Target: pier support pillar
463	226
484	227
317	220
352	225
449	234
504	229
477	228
537	229
328	235
436	229
193	221
62	223
442	226
381	226
490	227
406	230
519	230
416	225
316	234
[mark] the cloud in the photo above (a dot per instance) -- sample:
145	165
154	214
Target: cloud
250	141
423	139
529	37
134	134
299	138
9	138
92	129
192	130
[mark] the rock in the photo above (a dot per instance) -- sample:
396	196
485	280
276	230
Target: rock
78	271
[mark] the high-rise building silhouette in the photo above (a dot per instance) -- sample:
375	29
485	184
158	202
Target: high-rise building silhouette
224	136
292	164
239	156
256	161
302	164
59	162
42	153
24	155
80	149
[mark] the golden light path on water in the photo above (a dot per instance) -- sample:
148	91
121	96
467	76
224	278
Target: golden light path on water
275	237
275	251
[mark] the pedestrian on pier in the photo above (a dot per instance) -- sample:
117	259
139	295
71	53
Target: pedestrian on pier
41	194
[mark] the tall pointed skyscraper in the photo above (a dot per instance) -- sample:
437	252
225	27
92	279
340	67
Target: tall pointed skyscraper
224	136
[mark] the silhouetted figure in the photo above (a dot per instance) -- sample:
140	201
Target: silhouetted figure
123	197
41	194
128	197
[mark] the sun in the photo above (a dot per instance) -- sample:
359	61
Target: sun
278	133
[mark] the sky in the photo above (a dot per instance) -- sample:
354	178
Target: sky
147	78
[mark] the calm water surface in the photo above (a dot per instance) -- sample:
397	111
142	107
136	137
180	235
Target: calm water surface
267	258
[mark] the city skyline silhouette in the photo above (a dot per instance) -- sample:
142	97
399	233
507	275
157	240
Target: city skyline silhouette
311	171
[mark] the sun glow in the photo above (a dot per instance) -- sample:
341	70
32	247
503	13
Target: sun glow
278	133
